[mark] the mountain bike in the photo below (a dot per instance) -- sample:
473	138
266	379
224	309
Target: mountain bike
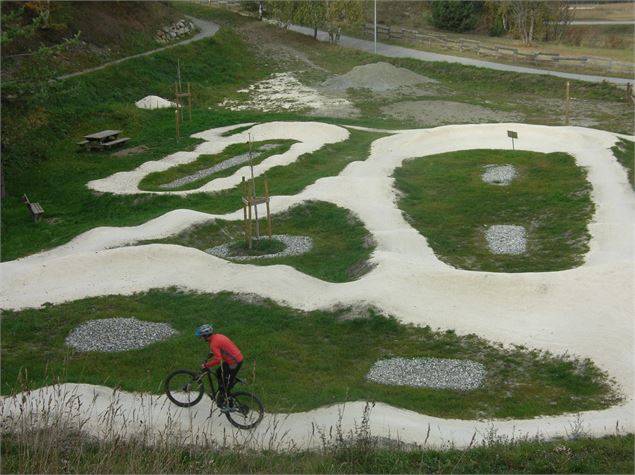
185	388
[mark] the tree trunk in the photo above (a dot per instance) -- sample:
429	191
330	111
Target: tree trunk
315	33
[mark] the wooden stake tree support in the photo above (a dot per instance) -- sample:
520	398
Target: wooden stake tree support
179	95
250	200
567	104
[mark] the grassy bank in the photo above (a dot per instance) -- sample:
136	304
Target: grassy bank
445	198
332	351
624	151
71	452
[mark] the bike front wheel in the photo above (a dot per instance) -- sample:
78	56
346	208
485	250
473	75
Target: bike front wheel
184	387
245	410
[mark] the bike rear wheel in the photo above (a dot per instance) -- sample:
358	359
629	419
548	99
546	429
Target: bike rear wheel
245	410
184	388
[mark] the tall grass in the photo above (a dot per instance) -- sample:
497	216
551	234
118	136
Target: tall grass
624	151
53	435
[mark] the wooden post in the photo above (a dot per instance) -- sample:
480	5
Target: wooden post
567	105
189	97
245	210
178	70
268	211
177	97
249	203
176	115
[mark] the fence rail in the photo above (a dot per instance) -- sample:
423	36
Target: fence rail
499	51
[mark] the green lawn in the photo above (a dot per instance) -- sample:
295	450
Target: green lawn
445	198
322	357
341	243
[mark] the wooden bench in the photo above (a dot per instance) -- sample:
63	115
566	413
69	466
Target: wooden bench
35	208
112	143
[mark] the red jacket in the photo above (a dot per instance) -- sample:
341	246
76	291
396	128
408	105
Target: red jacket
224	351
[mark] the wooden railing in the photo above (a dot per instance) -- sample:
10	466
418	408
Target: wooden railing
498	51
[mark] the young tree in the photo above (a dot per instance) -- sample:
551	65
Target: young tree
282	10
529	20
341	14
312	14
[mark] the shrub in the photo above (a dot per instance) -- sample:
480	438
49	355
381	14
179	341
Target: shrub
456	16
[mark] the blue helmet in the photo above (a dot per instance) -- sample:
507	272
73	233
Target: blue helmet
204	330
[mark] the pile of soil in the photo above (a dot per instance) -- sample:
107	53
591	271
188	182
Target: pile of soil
380	77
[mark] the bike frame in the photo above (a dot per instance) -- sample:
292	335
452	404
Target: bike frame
213	392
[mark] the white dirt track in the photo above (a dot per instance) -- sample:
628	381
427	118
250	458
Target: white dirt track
587	311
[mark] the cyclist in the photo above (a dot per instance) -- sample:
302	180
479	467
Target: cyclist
224	353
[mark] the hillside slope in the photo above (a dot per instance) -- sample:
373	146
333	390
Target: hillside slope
106	31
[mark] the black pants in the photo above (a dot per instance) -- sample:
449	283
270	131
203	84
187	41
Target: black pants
227	379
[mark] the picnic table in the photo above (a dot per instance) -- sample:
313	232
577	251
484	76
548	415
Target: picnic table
102	140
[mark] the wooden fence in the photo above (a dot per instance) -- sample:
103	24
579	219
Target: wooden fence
498	51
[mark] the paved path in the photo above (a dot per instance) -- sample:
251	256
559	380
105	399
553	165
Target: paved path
207	28
586	311
401	52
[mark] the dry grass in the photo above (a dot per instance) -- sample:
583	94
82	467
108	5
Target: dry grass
606	12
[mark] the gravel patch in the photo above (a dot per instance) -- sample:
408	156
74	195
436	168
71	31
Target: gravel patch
432	113
506	239
438	373
501	175
117	334
224	165
267	146
296	245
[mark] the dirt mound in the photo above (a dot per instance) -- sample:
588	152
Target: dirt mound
378	77
154	102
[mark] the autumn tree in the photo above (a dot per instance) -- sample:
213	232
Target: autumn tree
530	20
331	15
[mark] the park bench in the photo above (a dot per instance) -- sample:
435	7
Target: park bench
35	208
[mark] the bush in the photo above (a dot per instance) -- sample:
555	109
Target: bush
456	16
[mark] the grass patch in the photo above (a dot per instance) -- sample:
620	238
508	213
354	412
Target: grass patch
259	247
444	197
154	181
65	451
341	243
72	209
320	349
624	151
